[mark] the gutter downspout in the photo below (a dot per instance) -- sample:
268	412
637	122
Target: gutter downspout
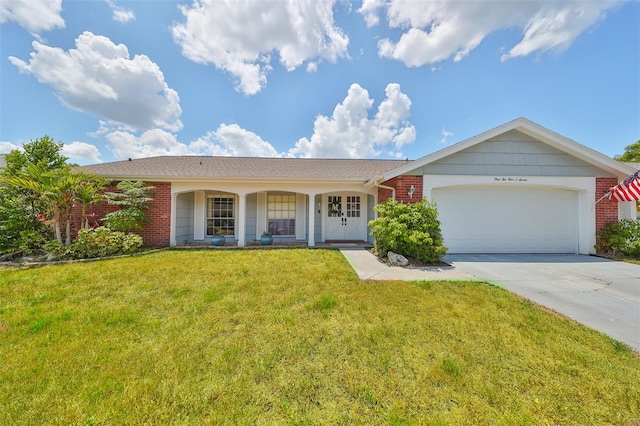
393	190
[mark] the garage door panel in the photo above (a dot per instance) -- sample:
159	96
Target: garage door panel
478	219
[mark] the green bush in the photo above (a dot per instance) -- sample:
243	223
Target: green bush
412	230
20	233
102	242
621	237
31	242
133	200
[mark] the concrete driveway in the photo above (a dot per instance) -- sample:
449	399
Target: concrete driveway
600	293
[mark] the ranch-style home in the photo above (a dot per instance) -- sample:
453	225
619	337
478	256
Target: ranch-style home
518	188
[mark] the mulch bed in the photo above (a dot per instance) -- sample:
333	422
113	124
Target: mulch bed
413	263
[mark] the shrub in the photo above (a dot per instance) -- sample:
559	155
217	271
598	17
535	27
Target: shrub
102	242
31	242
412	230
621	237
20	232
133	201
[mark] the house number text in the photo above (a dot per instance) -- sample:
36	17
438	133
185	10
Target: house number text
509	179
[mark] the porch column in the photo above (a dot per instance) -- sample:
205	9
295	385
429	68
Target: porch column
242	216
199	213
172	231
311	241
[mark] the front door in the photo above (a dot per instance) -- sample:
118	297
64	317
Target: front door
344	218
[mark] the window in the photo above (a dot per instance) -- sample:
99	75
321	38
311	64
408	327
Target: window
353	206
220	214
281	214
334	207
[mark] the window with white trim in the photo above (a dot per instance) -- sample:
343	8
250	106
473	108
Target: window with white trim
353	206
221	214
281	214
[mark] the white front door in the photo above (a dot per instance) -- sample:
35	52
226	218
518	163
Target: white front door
344	217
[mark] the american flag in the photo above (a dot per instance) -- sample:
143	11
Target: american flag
627	190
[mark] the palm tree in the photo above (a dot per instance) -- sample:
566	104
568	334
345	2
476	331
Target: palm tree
87	192
58	189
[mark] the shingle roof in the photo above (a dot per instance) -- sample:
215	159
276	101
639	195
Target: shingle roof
195	167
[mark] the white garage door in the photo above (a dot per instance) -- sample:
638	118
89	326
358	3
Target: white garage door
515	219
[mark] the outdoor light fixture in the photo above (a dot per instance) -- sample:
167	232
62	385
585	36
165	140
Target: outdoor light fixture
412	189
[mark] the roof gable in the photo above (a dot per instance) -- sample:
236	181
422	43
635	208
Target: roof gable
567	152
512	153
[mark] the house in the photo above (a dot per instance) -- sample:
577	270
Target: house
517	188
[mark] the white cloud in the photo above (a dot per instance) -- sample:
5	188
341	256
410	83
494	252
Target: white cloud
350	133
437	30
369	11
232	140
151	143
81	152
7	147
227	140
32	15
445	136
121	14
99	77
557	29
239	37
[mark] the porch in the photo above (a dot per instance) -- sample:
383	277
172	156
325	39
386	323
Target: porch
295	217
279	245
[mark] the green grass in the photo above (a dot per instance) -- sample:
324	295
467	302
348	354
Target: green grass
292	337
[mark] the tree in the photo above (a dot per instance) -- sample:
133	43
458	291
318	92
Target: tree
87	192
133	199
38	188
631	153
58	190
44	152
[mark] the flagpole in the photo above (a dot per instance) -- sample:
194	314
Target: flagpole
606	194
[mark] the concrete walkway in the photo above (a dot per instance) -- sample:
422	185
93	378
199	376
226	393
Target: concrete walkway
368	267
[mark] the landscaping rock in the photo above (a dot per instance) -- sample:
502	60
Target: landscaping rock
396	259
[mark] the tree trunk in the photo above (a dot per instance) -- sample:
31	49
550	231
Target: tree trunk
56	228
85	219
67	241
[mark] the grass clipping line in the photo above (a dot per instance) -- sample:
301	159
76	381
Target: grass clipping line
292	336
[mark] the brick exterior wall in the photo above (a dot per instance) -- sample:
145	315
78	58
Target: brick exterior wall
155	233
402	185
606	210
158	231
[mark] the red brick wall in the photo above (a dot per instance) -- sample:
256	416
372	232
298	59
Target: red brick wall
402	185
158	231
606	211
155	233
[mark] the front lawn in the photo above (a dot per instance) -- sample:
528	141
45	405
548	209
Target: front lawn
292	337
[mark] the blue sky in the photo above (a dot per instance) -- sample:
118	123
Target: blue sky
364	79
